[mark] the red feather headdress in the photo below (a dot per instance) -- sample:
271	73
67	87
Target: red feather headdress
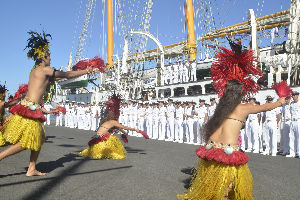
235	64
94	62
113	105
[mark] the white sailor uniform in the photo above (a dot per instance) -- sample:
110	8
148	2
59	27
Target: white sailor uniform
271	131
295	129
170	122
179	112
162	123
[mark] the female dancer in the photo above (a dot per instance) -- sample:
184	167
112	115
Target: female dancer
105	145
223	172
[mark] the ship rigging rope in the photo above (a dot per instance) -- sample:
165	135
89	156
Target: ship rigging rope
76	26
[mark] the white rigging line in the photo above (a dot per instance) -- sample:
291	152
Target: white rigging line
84	30
76	26
85	50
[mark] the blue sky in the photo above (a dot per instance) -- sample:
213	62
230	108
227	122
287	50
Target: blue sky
63	20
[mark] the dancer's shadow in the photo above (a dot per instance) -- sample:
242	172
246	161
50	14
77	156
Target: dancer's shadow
188	170
14	174
49	137
48	166
52	165
187	181
68	145
132	150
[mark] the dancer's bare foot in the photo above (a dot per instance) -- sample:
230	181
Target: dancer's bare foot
35	173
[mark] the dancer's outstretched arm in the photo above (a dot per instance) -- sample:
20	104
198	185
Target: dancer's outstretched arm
120	126
72	74
49	112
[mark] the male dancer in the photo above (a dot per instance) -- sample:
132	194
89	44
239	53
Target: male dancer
29	126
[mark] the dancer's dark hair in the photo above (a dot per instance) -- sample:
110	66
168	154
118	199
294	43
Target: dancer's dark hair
228	102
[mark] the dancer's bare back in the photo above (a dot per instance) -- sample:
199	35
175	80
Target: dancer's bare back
229	130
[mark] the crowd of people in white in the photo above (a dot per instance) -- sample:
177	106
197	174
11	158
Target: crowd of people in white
278	126
180	72
270	133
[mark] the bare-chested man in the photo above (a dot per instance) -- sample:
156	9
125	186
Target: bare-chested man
29	134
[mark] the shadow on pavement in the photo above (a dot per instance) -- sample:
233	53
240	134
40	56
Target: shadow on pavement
52	181
52	165
49	137
14	174
68	145
189	171
132	150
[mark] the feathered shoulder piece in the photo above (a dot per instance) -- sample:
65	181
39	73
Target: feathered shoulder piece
113	105
3	91
94	62
37	45
235	64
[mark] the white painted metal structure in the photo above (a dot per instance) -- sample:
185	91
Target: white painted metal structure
162	53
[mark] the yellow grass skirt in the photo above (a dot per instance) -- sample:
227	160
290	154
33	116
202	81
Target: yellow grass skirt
212	180
112	148
2	140
26	132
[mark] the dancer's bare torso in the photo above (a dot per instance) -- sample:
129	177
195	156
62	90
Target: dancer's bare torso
38	82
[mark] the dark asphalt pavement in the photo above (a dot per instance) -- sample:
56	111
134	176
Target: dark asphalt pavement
153	170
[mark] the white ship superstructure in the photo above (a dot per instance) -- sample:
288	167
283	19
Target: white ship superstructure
128	77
